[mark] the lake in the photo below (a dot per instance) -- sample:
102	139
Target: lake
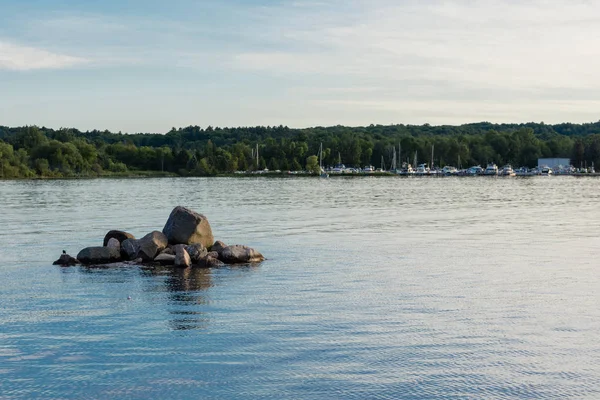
373	288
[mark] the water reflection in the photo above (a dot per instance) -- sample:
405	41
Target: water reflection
182	294
186	290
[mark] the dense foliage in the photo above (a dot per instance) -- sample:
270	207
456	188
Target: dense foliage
42	152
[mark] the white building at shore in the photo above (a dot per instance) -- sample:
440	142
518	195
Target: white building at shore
554	163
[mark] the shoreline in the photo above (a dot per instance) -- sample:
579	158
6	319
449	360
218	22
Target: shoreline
150	175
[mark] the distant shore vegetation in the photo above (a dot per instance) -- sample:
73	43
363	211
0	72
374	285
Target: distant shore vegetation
39	152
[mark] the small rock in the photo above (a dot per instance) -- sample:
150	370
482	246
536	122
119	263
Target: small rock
66	260
98	255
238	254
114	243
151	245
209	262
168	250
165	259
196	251
119	235
182	258
218	246
129	249
212	254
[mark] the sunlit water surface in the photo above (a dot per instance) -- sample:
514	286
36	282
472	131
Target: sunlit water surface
374	288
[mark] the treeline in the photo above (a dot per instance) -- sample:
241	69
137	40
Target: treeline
193	151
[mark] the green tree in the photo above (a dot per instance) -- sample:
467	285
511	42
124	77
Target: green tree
312	165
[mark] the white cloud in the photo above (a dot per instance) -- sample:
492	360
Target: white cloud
496	44
24	58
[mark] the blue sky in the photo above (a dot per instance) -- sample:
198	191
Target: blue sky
145	66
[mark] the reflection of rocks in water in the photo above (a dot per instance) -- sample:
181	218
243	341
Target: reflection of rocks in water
189	279
187	288
188	320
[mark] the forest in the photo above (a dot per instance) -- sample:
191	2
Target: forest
40	152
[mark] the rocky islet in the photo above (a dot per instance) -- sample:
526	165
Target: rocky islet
185	241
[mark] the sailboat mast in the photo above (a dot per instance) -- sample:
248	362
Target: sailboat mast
431	166
400	155
321	156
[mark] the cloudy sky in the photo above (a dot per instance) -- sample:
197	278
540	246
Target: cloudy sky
148	65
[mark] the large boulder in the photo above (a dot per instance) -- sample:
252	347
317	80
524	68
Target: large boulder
151	245
185	226
99	255
238	254
119	235
182	258
129	249
196	252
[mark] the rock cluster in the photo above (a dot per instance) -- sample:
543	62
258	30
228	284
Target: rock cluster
185	241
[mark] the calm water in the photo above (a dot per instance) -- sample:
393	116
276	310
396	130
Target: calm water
374	288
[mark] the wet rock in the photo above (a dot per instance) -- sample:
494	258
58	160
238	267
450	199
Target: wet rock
218	246
151	245
196	251
238	254
185	226
168	250
212	254
119	235
182	258
66	260
114	243
165	259
209	262
99	255
129	249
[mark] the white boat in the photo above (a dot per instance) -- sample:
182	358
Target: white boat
368	169
422	169
449	170
338	169
491	170
406	170
545	170
474	170
507	170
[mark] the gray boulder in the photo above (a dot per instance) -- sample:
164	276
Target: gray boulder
99	255
165	259
168	250
212	254
151	245
185	226
238	254
129	249
218	246
114	243
119	235
196	252
182	258
209	262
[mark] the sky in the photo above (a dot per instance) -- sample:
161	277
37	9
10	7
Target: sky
149	65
